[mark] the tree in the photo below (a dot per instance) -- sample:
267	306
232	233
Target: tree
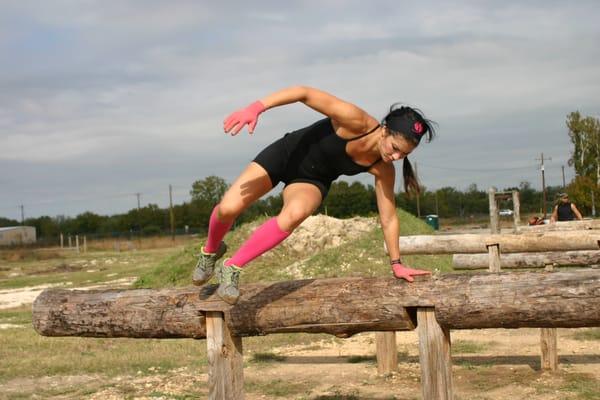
209	190
585	136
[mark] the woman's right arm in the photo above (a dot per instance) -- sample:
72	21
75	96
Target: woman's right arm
554	215
345	114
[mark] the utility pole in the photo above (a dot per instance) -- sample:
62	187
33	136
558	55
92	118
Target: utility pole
437	208
22	214
138	200
543	184
563	174
418	194
171	216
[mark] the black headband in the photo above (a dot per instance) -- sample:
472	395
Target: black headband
406	124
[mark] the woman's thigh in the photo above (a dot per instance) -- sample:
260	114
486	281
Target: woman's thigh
300	200
251	185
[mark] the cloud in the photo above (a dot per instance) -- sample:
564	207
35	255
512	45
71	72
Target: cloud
132	95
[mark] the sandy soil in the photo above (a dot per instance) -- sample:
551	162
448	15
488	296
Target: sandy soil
10	298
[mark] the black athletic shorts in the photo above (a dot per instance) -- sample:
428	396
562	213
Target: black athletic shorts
282	167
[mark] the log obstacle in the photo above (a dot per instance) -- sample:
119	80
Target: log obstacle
339	306
528	260
586	224
509	243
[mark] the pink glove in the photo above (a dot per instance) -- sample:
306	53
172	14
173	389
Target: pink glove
403	272
238	119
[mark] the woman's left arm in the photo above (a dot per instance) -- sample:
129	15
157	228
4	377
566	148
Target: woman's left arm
576	211
385	176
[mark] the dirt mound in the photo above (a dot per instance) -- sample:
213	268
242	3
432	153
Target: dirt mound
320	232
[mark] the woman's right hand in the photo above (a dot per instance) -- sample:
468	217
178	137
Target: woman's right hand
246	116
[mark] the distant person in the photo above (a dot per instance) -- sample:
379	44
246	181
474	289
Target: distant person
348	141
565	210
536	221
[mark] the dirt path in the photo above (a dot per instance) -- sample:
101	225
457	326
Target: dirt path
10	298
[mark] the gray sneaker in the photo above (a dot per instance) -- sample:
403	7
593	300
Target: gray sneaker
229	279
205	267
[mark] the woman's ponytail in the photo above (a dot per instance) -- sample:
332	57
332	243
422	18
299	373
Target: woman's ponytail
411	184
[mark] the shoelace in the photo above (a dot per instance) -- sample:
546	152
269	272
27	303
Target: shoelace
231	276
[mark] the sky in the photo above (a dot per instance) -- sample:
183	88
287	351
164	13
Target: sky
100	101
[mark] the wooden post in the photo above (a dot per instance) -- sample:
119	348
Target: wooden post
516	210
435	357
85	244
494	225
77	243
62	241
548	343
70	242
225	363
387	355
494	255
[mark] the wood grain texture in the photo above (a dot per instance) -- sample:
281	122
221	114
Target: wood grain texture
339	306
509	242
528	260
434	356
225	360
387	354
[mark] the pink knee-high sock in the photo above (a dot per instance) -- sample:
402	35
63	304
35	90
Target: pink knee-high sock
216	231
263	239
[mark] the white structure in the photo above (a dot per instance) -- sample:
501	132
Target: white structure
13	235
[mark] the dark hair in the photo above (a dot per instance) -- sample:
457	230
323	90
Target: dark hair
412	125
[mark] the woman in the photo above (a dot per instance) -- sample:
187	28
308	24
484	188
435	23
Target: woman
349	141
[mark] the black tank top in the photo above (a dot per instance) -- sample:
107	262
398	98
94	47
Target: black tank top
565	213
318	152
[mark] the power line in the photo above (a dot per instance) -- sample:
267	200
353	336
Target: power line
480	169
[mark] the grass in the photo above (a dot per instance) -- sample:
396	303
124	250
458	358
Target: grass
266	358
585	386
587	334
75	356
73	270
364	256
468	347
278	388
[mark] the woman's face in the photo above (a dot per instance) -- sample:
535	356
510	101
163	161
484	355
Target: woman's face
394	147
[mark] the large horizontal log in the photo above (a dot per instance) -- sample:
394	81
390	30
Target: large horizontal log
528	260
340	306
521	299
318	306
509	243
586	224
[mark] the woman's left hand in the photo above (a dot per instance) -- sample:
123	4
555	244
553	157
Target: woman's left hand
401	271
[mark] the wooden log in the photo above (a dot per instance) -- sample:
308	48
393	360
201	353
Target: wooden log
519	300
509	243
528	260
339	306
586	224
434	356
225	360
387	354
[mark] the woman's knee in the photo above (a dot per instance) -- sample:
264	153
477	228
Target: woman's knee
229	209
291	217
